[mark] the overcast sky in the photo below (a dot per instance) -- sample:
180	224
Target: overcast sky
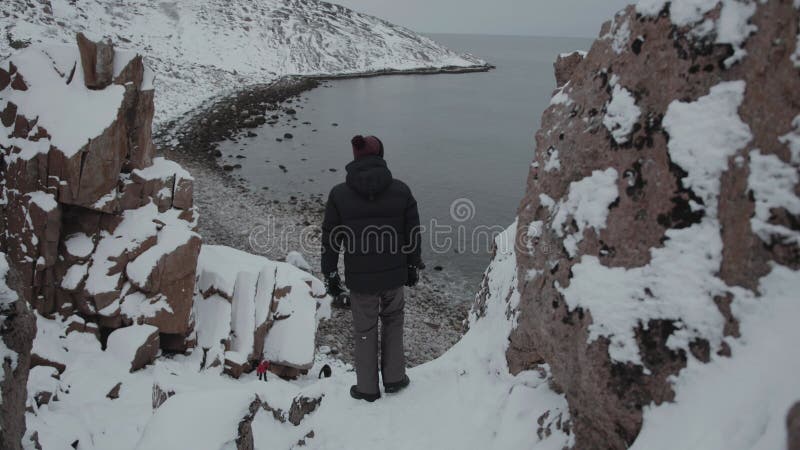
578	18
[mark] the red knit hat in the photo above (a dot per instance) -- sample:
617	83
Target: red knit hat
366	146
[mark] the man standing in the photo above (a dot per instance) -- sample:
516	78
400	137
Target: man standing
373	219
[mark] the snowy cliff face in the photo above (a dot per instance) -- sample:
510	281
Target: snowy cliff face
203	48
660	268
17	328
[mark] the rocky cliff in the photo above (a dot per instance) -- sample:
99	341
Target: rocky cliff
94	224
661	210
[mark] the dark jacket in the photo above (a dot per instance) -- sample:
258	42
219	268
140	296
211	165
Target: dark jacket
373	219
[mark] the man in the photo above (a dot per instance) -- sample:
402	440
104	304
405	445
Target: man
373	219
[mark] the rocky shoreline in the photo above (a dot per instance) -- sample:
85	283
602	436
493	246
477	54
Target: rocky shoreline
234	213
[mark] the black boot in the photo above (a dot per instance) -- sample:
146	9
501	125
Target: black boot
392	388
360	396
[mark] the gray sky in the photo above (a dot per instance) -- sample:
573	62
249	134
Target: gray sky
578	18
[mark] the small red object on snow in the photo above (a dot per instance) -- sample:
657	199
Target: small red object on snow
262	367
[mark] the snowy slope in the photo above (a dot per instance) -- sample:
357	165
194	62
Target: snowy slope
466	399
202	48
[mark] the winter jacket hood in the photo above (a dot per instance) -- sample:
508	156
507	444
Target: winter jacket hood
369	176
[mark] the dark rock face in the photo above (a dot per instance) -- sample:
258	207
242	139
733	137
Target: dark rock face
17	330
793	427
657	63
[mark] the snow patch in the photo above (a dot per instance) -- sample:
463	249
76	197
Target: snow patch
621	114
79	245
561	97
45	202
792	139
773	182
296	259
552	163
125	342
759	379
587	203
704	134
54	102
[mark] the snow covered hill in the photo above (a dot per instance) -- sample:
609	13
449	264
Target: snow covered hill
203	48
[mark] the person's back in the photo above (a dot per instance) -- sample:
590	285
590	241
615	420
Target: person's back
373	219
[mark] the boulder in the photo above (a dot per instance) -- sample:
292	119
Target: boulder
137	345
647	189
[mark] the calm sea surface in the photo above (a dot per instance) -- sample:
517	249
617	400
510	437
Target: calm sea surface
464	139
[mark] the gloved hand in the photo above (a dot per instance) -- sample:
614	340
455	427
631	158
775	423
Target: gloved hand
413	274
333	284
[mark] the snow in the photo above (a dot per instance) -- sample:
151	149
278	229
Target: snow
582	53
213	325
163	168
75	274
125	342
243	312
136	227
620	299
732	27
136	305
682	12
45	202
203	49
79	245
552	163
291	340
773	182
465	399
587	203
42	379
621	114
199	420
169	239
254	283
792	140
296	259
619	36
561	97
741	402
54	102
704	134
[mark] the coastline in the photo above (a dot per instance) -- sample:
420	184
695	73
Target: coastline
231	209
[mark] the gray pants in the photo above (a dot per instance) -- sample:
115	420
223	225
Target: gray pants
366	309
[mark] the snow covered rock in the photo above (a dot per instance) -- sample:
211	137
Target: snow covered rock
674	230
249	308
17	330
136	345
93	223
203	48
